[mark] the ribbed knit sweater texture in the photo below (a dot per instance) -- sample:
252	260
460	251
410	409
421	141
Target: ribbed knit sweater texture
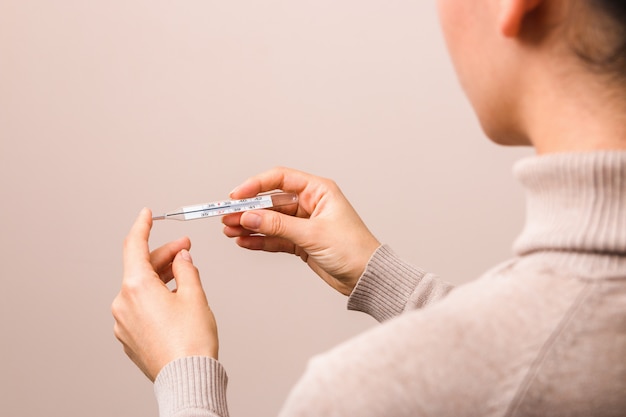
543	334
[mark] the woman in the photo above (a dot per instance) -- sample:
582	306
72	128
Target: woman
542	334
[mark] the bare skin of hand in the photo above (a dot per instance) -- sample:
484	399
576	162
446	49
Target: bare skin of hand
322	228
154	324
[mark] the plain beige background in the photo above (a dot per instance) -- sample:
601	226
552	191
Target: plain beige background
109	106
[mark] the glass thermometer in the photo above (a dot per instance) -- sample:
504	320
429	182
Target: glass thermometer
221	208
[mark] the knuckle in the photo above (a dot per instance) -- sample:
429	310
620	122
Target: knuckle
130	287
280	173
277	226
117	307
330	184
130	292
117	332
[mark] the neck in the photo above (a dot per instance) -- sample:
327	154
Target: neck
580	113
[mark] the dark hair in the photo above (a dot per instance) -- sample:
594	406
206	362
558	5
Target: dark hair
616	8
603	47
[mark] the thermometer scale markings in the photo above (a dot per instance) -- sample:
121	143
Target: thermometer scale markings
220	208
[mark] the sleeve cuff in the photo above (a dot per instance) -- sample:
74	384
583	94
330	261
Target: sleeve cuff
390	286
192	383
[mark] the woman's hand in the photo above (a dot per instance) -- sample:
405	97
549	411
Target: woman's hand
156	325
322	228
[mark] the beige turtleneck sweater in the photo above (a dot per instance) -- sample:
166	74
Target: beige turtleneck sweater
543	334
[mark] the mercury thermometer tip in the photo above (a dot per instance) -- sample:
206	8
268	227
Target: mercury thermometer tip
161	217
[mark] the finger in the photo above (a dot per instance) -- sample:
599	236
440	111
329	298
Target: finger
186	274
166	274
273	224
164	255
136	254
267	244
282	178
231	219
236	231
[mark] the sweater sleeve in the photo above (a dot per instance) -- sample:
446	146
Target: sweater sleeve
390	286
193	386
196	386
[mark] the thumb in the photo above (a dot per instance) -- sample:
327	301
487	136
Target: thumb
275	224
185	273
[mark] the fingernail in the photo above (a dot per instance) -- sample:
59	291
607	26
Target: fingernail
186	255
251	221
233	191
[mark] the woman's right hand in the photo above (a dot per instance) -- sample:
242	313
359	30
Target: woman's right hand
322	227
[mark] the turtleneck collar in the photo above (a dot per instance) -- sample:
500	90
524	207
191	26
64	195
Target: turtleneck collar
576	204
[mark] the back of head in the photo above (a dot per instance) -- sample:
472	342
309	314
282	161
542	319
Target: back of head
599	36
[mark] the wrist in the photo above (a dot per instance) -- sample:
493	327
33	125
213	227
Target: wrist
346	287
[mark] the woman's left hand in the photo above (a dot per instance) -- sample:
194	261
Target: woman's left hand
157	325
